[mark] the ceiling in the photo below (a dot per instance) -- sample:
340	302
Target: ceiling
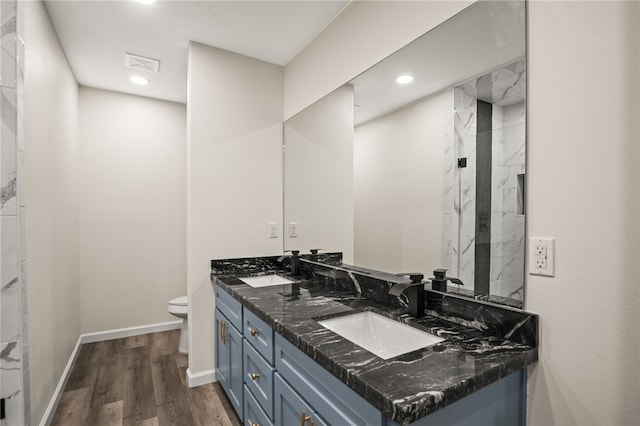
482	38
95	35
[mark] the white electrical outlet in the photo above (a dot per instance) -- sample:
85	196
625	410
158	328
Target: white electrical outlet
273	229
542	256
293	229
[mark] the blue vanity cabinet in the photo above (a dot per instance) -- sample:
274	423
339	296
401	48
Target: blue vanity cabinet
229	360
502	403
253	412
259	334
291	409
258	378
229	348
258	364
271	382
330	400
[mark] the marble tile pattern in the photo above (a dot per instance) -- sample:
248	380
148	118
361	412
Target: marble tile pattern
508	226
14	361
504	86
459	208
483	343
266	264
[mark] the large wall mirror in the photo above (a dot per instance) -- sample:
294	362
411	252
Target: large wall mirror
426	172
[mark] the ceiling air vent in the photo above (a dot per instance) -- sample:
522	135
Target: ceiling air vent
140	63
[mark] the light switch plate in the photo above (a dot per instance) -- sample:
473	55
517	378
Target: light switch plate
273	229
293	229
542	256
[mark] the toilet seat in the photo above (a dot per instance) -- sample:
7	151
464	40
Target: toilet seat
178	307
179	301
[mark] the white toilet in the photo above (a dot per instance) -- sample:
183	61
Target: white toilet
178	308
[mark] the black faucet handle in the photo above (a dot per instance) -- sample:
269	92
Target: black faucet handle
315	251
440	273
415	277
293	252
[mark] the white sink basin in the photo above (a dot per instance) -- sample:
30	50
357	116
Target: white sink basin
266	280
380	335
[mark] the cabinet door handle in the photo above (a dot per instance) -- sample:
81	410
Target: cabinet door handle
254	332
223	332
255	424
304	418
255	376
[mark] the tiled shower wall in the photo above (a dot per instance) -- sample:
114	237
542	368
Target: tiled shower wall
507	223
458	250
14	364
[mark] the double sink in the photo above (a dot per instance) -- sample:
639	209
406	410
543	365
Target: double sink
382	336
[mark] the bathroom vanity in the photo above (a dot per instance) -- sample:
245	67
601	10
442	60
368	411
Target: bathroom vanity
279	365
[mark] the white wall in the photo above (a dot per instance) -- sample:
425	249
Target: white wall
132	209
398	185
51	176
318	175
583	190
234	175
362	35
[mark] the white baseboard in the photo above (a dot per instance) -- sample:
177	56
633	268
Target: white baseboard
119	333
201	378
99	337
57	393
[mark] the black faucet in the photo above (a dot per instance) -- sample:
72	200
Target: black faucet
414	287
314	255
439	280
294	262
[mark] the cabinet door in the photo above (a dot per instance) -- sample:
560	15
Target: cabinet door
291	409
222	352
229	361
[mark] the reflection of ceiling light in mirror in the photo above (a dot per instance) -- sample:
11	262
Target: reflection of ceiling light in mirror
136	79
404	79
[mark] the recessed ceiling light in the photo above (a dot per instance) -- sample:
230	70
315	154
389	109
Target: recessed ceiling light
404	79
136	79
146	1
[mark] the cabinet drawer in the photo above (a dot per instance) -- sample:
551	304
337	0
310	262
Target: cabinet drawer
253	413
291	409
230	307
258	376
334	401
259	335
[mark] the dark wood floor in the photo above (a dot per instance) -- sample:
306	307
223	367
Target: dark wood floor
138	380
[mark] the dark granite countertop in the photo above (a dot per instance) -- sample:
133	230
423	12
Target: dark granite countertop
478	349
